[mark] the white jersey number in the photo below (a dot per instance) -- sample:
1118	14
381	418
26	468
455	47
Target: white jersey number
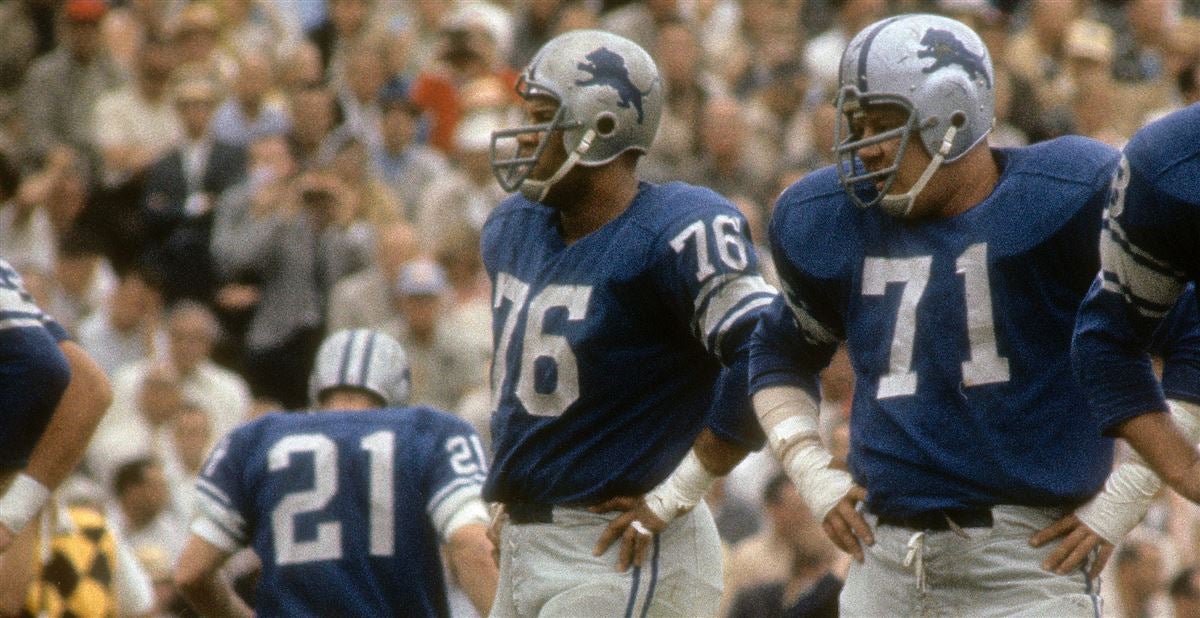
538	346
985	365
380	448
730	246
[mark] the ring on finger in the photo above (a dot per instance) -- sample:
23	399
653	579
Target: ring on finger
640	528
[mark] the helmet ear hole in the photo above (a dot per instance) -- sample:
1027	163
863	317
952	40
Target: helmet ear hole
958	119
606	124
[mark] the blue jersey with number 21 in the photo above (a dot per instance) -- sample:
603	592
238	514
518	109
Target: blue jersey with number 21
343	508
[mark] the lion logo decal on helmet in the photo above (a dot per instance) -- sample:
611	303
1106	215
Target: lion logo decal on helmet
608	69
946	50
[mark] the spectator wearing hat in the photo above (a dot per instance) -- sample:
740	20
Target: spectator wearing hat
445	366
250	112
61	89
408	167
181	189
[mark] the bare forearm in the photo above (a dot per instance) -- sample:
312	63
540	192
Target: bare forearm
470	554
1166	450
79	410
211	595
719	456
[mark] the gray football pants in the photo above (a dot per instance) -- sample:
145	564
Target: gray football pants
993	573
548	570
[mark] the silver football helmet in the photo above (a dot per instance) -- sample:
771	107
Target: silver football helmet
362	359
609	100
934	67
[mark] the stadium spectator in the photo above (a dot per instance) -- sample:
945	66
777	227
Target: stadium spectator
296	244
408	166
366	299
82	280
128	327
1139	579
251	111
181	190
142	513
823	54
62	88
315	140
374	201
359	93
444	364
137	124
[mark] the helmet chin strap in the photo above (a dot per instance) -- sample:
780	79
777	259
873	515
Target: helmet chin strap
901	205
536	190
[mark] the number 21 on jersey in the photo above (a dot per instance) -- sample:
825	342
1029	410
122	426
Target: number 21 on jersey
537	346
984	365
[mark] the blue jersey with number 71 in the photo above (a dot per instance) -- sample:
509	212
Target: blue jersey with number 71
608	352
958	331
343	508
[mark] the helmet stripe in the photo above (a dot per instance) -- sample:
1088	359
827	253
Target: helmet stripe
861	78
364	369
345	364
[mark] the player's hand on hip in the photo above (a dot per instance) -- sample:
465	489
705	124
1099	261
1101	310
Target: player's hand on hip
495	527
1078	542
635	527
846	527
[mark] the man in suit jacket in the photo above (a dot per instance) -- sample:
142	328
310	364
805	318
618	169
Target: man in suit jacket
181	190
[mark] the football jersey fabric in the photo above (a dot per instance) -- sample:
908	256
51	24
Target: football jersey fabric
958	330
33	370
608	351
343	508
1177	342
1151	250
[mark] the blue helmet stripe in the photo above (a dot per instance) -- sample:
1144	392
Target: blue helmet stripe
345	365
364	369
861	78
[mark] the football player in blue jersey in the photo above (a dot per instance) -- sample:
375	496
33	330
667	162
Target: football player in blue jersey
621	315
52	396
1150	248
952	271
347	508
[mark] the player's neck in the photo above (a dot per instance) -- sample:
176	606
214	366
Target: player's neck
608	194
969	182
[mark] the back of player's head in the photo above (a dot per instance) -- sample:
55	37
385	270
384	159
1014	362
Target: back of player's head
609	97
934	68
361	360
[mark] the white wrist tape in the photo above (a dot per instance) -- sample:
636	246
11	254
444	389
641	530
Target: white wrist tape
1130	488
681	491
789	417
21	503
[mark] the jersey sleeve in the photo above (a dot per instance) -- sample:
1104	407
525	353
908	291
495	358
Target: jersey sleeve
1177	342
1142	250
709	268
455	478
712	275
17	309
221	502
800	331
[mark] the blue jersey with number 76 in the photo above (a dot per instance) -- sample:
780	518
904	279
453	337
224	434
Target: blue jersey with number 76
343	508
958	330
608	351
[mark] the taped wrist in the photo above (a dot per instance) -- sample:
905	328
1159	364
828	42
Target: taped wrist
681	491
1130	488
788	415
21	503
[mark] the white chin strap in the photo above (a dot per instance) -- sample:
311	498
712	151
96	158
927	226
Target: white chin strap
536	190
901	205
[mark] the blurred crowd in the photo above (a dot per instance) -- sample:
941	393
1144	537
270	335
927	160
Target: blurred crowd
200	190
